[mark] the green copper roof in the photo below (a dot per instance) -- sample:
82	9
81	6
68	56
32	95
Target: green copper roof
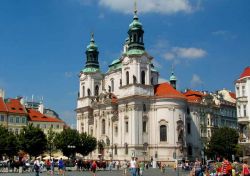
116	64
135	52
135	24
92	46
90	70
115	61
172	77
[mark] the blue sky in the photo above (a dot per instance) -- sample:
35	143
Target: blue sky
42	43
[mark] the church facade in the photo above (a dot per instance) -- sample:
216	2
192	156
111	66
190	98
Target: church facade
126	109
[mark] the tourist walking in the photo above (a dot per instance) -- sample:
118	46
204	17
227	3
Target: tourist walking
124	167
133	166
226	167
245	169
93	167
141	166
37	166
61	167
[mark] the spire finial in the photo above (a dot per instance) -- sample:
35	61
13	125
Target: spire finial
135	8
172	69
92	36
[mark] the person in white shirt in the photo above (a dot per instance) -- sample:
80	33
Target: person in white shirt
37	166
133	166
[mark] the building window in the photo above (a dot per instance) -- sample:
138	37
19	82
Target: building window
144	108
44	126
134	79
126	126
115	149
120	82
245	110
23	120
144	126
57	126
38	125
208	121
11	119
239	111
238	91
96	90
2	118
116	130
127	78
126	148
112	85
83	91
152	81
163	133
17	119
103	126
243	90
189	128
52	126
143	77
89	92
190	151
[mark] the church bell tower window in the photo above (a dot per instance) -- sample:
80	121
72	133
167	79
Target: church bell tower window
127	78
143	77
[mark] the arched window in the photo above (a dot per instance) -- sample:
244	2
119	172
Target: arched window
103	126
89	92
144	126
163	133
127	78
126	148
112	85
134	38
190	151
134	79
96	90
115	149
143	77
83	91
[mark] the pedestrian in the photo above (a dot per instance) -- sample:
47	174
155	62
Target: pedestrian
110	166
37	166
226	167
52	167
133	166
61	167
93	167
124	167
245	169
141	166
197	167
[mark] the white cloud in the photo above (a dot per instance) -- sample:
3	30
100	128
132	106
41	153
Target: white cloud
169	56
162	80
189	53
196	81
146	6
68	74
225	34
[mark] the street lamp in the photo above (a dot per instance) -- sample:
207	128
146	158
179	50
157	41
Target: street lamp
72	149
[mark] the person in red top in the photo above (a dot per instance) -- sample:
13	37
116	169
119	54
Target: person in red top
226	167
93	168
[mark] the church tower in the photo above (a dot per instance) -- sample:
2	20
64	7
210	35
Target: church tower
173	79
90	86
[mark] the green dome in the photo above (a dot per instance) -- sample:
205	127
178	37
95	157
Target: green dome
135	24
92	46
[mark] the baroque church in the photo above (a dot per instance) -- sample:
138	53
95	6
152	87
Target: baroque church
126	109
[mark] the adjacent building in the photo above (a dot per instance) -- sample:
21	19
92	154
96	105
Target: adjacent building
242	88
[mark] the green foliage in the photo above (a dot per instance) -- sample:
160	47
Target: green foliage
33	140
223	142
8	143
87	144
50	140
67	141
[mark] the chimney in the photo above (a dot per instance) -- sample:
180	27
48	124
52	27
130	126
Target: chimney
41	108
2	93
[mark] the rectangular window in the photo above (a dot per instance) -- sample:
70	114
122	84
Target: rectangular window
238	91
245	110
17	119
38	125
126	126
11	119
243	90
2	118
239	111
52	126
23	120
44	126
57	126
144	126
189	128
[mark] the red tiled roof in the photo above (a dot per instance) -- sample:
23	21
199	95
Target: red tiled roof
165	90
35	115
246	73
194	96
15	106
3	107
233	95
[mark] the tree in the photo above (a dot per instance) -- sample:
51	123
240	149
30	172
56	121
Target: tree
67	141
223	142
87	144
8	143
33	140
50	140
